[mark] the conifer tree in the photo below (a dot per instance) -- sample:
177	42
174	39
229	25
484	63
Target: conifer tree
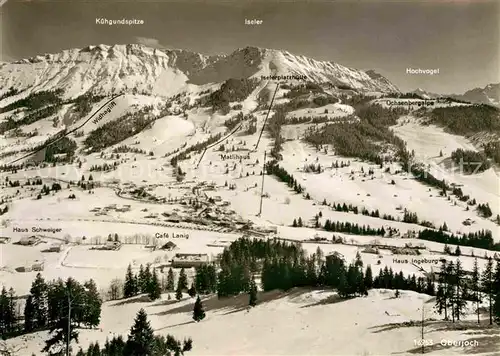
182	283
442	292
38	292
93	304
154	288
460	302
343	287
178	293
475	287
358	263
252	293
130	286
496	279
192	291
450	291
29	314
198	312
170	280
5	313
58	308
141	278
496	309
141	338
147	279
368	277
488	287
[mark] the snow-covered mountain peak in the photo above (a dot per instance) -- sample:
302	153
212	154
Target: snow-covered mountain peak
107	69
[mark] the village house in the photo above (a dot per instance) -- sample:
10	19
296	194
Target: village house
54	248
169	246
29	240
189	260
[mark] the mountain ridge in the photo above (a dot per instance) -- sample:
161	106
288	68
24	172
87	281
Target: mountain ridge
108	69
489	94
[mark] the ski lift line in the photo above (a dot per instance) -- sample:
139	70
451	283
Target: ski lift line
216	143
265	121
68	133
224	138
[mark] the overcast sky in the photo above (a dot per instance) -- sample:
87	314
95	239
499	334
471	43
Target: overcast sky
461	38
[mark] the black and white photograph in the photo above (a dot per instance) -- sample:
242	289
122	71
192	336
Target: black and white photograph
249	178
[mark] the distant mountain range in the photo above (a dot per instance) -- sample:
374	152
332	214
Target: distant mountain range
490	95
107	69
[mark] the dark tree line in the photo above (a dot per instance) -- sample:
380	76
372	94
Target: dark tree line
145	281
492	150
31	117
465	120
11	92
194	148
484	210
231	90
479	239
141	341
125	149
206	279
273	168
103	167
63	146
455	288
273	127
36	101
284	266
357	139
117	130
352	228
470	161
83	103
47	307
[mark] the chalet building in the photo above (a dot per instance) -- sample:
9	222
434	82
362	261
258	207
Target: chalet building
112	245
29	241
37	266
169	246
54	248
189	260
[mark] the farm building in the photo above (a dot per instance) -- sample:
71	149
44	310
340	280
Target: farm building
4	239
189	260
174	218
36	266
54	248
112	245
169	246
29	240
370	249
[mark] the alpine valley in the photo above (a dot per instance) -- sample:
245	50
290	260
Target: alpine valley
329	213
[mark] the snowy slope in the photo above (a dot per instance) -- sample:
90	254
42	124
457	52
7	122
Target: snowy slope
301	322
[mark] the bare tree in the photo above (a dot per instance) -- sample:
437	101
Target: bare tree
115	289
